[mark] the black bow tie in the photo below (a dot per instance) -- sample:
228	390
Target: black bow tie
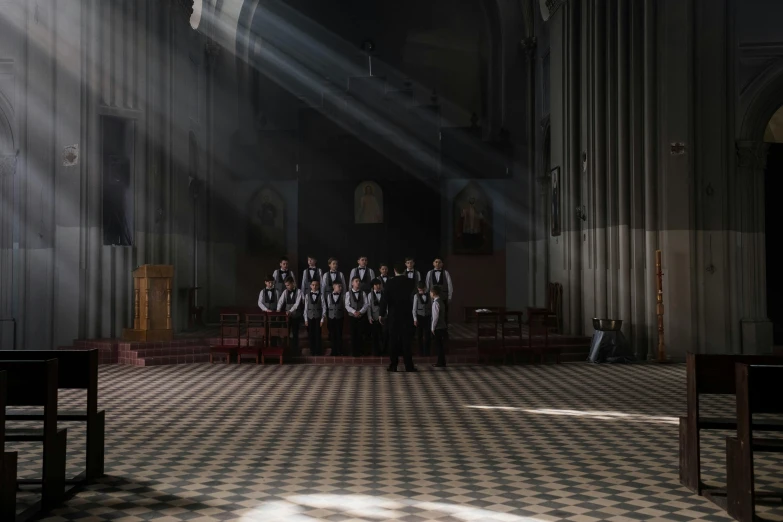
336	295
314	294
333	273
437	271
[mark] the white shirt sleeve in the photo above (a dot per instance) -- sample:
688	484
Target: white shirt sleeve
435	314
306	306
281	302
261	301
297	301
416	296
347	300
354	271
372	274
427	280
451	285
324	311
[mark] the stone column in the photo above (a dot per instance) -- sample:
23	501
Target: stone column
751	249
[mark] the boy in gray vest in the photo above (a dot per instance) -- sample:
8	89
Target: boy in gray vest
439	326
331	276
334	305
379	331
281	274
410	270
291	302
439	276
314	314
356	305
422	318
268	298
311	273
365	275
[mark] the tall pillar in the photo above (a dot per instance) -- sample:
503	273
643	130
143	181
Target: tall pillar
650	160
573	225
751	249
623	214
600	154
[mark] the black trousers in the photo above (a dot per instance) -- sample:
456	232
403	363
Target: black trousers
336	335
400	337
424	335
440	346
294	323
385	336
377	331
314	335
357	325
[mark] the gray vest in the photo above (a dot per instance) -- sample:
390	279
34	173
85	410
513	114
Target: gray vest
270	303
306	279
334	310
290	301
328	289
444	283
441	324
314	309
375	307
423	309
357	302
280	281
365	283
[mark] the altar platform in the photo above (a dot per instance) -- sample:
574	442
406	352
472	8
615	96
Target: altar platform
193	347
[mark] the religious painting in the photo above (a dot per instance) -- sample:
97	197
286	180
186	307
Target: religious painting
368	203
556	206
472	221
267	222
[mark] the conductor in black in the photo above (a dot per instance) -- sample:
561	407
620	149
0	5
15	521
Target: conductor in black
398	291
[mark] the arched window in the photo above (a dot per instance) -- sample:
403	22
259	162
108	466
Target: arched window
195	18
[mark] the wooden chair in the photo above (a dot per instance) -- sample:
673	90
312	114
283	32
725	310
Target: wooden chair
554	305
77	370
277	328
710	374
8	462
34	383
487	343
511	331
229	329
255	337
538	333
759	391
470	315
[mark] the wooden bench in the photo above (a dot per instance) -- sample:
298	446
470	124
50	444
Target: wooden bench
229	328
759	391
487	342
277	327
77	370
710	374
470	315
255	337
7	462
34	383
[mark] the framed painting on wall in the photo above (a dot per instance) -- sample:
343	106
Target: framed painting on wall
368	203
267	222
472	221
554	217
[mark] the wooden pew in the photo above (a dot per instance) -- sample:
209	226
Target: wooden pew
230	323
277	326
7	462
34	383
77	370
256	326
710	374
759	391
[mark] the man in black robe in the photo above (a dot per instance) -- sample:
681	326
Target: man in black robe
398	291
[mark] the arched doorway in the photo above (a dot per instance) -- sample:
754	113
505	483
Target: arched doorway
773	186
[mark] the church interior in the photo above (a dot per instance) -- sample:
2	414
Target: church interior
559	214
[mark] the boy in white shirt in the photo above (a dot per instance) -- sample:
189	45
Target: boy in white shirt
332	276
281	274
411	272
312	272
356	305
268	297
439	327
365	275
422	318
314	314
440	277
291	303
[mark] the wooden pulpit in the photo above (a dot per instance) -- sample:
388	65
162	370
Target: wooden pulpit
151	304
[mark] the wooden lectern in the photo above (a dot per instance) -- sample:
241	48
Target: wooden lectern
151	304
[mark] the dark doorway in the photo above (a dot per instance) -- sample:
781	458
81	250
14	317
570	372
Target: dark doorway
411	224
773	180
117	181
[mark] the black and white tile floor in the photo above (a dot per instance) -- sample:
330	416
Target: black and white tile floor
302	443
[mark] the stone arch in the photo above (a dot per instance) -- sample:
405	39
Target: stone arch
758	103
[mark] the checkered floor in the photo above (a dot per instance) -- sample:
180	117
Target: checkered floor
301	443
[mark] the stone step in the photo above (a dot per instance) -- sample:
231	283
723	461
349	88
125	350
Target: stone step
166	360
